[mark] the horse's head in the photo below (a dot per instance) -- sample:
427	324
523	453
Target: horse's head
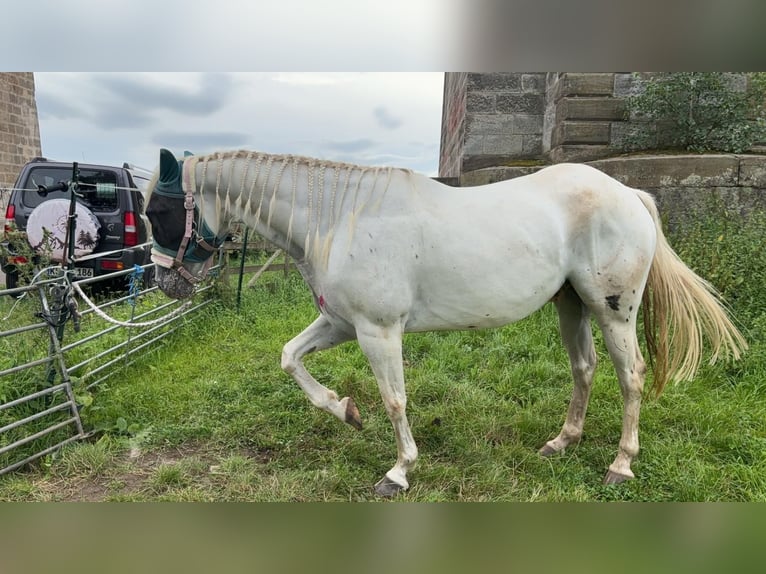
183	242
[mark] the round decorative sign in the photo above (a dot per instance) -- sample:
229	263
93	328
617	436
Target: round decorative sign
46	229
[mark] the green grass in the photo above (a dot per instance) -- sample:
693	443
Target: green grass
211	416
480	404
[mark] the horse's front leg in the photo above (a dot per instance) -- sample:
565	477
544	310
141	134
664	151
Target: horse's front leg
383	348
320	335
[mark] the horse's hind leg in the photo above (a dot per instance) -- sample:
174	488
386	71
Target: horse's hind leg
320	335
576	334
620	338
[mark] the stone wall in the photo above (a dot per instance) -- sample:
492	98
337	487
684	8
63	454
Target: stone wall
524	118
685	185
682	184
19	128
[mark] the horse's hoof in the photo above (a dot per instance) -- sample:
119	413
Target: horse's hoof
547	450
616	477
387	487
352	414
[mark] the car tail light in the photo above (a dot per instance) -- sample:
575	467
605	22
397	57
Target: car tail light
10	214
112	265
130	237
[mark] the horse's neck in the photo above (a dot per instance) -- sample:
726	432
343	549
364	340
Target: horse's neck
294	202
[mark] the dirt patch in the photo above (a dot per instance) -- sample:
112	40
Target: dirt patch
133	474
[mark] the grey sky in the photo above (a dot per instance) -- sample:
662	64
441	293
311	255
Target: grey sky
365	118
228	35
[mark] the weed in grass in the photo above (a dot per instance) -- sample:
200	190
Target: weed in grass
85	459
18	488
168	476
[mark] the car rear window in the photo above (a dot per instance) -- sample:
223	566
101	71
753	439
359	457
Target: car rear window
97	187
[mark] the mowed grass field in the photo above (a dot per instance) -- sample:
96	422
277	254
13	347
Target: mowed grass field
212	417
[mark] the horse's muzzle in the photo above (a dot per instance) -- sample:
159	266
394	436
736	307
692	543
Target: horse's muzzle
172	284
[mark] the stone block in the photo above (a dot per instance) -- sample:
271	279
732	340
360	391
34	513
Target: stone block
503	144
494	174
480	102
752	171
533	83
572	84
579	153
520	104
527	124
488	124
473	145
498	82
532	145
590	108
673	170
567	133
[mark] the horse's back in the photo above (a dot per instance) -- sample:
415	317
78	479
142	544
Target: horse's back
452	258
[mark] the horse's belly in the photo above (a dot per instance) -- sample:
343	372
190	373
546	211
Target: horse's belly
481	306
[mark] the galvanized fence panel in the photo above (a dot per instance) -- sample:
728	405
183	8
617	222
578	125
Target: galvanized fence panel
47	358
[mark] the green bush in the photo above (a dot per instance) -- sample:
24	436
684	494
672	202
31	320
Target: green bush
699	112
726	247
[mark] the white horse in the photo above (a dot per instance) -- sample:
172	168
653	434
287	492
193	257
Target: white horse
387	251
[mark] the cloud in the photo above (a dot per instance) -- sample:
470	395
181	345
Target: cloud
120	118
351	145
120	101
199	143
385	119
206	97
51	105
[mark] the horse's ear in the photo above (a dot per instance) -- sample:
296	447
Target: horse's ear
168	166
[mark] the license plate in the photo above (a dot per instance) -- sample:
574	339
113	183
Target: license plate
83	272
79	272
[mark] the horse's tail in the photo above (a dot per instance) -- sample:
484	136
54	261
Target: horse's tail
679	309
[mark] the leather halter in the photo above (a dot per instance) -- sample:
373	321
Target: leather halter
189	233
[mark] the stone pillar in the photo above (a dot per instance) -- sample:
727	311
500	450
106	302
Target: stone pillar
19	128
491	119
582	109
453	125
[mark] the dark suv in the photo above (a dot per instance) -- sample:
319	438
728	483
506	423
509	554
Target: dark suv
110	217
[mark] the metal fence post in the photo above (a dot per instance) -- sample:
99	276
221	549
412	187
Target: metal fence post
241	269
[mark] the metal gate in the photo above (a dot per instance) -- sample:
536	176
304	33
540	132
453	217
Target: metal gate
54	358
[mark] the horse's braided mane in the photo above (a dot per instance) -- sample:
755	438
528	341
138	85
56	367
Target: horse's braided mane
289	158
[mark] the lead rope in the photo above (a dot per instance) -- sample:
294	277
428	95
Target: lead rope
109	319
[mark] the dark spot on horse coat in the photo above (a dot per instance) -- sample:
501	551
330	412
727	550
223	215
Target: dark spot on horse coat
614	302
